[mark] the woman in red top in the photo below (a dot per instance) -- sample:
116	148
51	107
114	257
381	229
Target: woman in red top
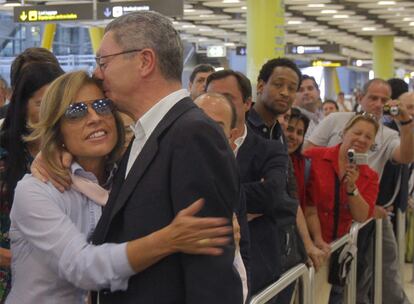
358	183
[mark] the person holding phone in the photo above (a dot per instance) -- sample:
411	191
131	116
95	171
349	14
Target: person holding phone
339	191
358	184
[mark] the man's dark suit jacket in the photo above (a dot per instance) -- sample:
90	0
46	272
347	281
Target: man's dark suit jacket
185	158
258	159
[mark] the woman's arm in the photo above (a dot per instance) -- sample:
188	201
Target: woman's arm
358	206
312	219
45	225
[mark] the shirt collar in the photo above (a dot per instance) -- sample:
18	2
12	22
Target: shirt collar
240	140
149	121
76	169
254	118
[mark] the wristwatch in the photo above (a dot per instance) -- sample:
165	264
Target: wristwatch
354	193
406	122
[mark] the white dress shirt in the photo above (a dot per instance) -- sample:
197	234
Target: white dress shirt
149	121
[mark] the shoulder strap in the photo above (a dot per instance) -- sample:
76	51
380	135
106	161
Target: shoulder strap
336	207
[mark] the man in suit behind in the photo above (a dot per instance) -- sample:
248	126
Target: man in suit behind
178	155
263	173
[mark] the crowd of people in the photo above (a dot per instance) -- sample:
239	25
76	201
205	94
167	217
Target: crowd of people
211	193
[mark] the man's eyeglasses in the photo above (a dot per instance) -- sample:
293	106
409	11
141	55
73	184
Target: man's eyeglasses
102	64
79	110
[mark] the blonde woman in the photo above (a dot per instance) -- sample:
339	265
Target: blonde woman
52	258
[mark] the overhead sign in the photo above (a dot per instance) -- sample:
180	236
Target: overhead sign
328	63
313	49
110	10
241	50
216	51
84	11
53	13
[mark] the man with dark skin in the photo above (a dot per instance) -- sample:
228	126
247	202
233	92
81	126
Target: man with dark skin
277	85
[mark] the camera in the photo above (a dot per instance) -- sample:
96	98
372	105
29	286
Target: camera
391	110
357	158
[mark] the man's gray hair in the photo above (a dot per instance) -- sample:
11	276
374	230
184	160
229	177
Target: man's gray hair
152	30
366	86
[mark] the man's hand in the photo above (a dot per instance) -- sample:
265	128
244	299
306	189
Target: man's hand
403	114
5	257
41	171
198	235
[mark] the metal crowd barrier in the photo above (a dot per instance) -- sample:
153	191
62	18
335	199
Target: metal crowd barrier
306	275
300	271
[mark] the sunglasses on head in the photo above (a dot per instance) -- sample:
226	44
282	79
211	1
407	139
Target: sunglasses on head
79	110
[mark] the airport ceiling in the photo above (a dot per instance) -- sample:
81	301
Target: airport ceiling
350	23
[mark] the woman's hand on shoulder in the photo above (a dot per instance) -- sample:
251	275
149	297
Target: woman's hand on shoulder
41	171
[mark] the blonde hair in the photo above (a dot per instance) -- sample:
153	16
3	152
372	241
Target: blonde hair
60	94
367	117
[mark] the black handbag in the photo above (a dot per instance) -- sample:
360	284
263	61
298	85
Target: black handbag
341	259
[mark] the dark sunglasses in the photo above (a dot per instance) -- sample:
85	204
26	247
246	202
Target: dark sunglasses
79	110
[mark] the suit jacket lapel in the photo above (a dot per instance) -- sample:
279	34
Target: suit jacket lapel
147	154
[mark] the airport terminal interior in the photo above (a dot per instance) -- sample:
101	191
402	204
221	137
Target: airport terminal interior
342	44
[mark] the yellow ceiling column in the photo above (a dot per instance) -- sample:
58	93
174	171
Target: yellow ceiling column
383	56
265	33
48	35
96	34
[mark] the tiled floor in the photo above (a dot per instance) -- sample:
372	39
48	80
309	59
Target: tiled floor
408	283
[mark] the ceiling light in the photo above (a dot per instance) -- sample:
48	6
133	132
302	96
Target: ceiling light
231	1
292	22
411	24
189	10
369	29
329	11
386	2
316	5
340	16
189	26
408	19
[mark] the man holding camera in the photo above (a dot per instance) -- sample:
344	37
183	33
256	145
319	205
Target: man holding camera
388	146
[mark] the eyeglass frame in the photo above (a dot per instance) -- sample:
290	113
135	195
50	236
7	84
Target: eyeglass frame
98	58
86	104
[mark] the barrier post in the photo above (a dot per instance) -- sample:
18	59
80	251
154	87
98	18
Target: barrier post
401	238
311	287
350	291
378	262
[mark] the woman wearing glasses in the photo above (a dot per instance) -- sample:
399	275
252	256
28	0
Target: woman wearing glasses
339	189
15	154
52	258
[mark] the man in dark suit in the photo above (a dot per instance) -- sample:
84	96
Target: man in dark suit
178	155
263	168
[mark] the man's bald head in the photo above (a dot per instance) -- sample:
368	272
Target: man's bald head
407	99
220	109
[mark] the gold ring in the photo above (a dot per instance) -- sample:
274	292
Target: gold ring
203	241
